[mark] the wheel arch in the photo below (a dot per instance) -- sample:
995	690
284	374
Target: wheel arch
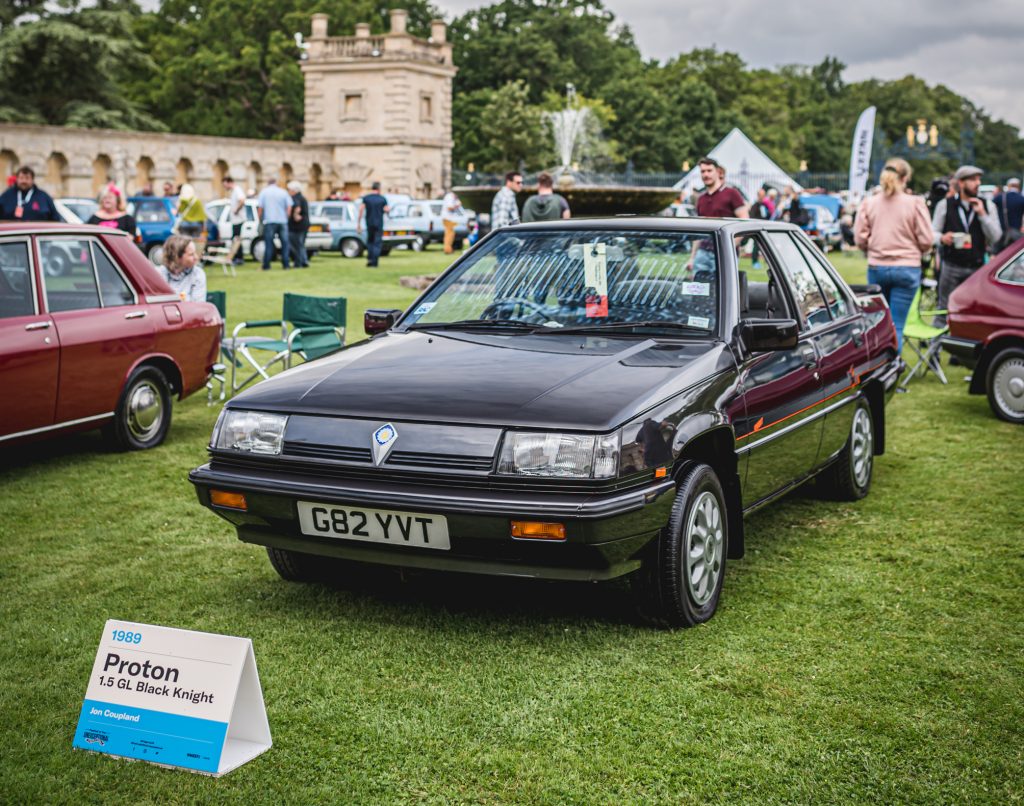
874	394
991	349
716	447
167	365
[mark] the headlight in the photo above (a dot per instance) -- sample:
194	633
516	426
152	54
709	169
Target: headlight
576	456
250	431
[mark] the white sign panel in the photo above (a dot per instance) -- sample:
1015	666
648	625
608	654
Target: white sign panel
174	697
860	153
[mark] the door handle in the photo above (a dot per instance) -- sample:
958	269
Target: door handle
810	357
858	336
135	315
37	326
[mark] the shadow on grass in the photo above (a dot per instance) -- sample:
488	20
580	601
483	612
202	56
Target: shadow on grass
63	451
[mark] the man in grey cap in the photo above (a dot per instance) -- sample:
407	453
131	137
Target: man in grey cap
965	226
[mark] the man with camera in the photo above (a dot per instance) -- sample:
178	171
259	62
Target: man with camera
965	227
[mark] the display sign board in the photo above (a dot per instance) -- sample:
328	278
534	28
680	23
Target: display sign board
174	697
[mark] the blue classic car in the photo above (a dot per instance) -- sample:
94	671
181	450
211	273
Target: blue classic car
344	216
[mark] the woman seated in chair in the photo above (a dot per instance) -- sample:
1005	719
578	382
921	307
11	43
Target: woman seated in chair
180	269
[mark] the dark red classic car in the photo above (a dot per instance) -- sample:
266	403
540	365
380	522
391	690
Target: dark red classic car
91	336
986	331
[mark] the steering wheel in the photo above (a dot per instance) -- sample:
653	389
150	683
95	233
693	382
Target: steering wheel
516	308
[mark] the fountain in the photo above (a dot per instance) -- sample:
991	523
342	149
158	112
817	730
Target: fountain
589	193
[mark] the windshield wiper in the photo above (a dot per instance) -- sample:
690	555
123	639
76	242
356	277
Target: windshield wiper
502	324
632	325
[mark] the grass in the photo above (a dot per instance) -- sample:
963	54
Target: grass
869	652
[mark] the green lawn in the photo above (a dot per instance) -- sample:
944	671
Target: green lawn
869	652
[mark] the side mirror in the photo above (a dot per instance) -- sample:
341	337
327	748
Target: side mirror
765	335
377	320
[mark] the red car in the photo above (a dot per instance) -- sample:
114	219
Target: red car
91	336
986	331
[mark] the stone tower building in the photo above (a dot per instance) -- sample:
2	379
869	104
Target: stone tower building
382	104
377	108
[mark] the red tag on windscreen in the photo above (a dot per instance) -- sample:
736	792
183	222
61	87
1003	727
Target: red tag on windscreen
19	211
597	306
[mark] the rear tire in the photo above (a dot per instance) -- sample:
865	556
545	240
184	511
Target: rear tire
155	253
351	248
681	581
848	478
143	413
1004	385
419	244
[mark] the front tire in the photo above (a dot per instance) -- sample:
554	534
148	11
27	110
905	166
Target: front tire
143	413
419	244
294	566
156	254
681	582
849	476
1004	385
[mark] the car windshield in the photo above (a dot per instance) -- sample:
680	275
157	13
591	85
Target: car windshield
83	208
566	280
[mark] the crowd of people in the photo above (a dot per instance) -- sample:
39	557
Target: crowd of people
897	229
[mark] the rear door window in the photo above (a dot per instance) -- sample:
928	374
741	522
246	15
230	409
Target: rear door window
114	289
16	297
69	275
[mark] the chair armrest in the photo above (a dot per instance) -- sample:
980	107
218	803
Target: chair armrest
256	323
314	330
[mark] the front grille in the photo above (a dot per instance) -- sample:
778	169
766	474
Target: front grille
333	452
296	468
440	461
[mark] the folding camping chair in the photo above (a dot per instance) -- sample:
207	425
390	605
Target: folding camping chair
224	256
317	327
219	299
924	339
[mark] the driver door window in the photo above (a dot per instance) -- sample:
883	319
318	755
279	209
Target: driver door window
806	293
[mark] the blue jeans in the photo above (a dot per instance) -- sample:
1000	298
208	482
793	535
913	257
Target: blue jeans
374	242
899	284
281	230
298	239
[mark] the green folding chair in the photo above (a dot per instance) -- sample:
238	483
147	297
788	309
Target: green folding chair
924	339
219	300
311	327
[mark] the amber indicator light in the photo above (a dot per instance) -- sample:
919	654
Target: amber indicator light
661	472
538	530
221	498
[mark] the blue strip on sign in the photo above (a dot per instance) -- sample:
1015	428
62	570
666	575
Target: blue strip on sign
121	730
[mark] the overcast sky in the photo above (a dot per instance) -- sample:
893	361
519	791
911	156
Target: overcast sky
976	48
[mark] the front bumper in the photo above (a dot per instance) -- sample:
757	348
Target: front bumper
604	533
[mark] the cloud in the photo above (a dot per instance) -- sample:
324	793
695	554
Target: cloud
973	48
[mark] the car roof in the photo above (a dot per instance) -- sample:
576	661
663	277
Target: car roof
55	228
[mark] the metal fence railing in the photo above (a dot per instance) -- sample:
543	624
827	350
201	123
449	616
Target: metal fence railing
582	177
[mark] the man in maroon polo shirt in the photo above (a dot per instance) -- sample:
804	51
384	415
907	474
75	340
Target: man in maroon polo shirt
717	201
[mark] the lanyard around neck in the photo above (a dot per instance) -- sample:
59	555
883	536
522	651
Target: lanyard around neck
966	218
23	200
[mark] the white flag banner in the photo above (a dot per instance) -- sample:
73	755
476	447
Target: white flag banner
860	154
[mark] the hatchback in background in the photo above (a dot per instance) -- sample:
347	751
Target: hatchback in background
986	331
423	219
92	337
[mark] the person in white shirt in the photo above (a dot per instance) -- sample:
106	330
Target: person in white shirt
451	211
236	204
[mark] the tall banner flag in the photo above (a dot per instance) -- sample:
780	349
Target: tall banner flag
860	154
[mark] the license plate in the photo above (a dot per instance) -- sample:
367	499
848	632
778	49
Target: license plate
374	525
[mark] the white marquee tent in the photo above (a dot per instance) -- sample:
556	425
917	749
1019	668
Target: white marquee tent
747	167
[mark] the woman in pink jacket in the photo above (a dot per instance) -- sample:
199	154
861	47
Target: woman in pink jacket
895	230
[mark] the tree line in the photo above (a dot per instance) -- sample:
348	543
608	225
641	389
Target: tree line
231	68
